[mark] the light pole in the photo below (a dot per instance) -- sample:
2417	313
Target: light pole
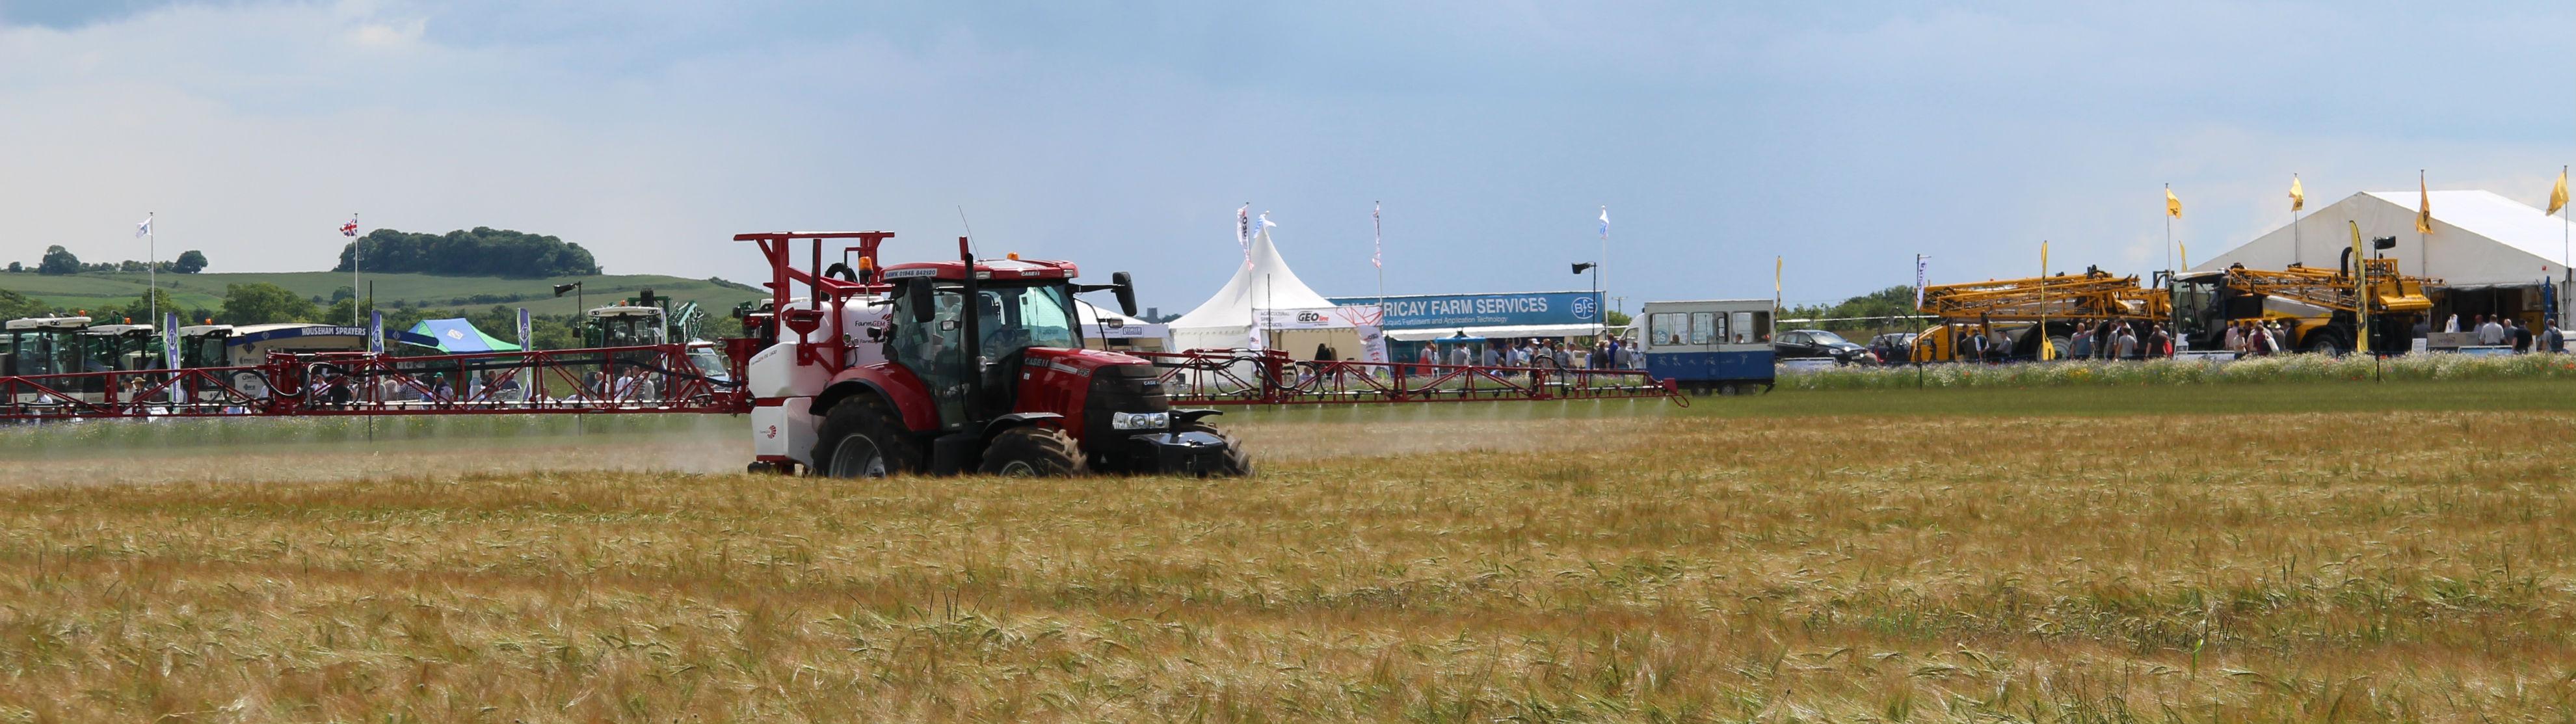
577	301
1598	319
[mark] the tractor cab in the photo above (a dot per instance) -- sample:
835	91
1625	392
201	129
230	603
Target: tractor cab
202	346
1017	307
626	326
121	347
45	345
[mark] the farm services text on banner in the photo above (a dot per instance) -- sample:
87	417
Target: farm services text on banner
1485	310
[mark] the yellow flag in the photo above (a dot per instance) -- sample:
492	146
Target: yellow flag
2046	351
2424	206
2360	291
2558	194
2298	196
2173	206
1776	263
2186	254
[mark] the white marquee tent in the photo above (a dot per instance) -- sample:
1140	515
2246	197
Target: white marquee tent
1105	326
1227	320
2479	239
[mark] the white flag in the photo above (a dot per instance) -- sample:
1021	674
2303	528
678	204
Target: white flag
1243	232
1377	257
1918	282
143	229
1605	223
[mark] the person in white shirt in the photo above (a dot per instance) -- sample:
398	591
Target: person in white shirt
2491	333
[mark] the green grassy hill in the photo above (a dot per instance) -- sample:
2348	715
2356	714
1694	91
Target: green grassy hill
84	291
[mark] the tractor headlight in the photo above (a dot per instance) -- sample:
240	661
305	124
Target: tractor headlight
1140	420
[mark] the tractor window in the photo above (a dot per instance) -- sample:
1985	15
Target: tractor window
1016	318
207	351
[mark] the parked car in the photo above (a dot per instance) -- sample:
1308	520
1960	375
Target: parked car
1893	347
1814	343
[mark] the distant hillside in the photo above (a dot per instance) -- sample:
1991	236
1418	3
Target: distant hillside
102	290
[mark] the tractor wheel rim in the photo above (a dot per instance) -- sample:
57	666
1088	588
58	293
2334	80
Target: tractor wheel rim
857	457
1019	469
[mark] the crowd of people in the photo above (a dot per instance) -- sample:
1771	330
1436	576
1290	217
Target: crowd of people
338	389
2502	331
2120	339
1609	354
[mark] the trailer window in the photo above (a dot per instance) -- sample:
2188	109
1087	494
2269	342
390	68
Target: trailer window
1750	328
1706	326
1667	328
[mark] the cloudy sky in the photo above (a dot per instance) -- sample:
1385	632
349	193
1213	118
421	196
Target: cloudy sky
1846	137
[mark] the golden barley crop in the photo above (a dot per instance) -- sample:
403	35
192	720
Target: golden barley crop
2379	566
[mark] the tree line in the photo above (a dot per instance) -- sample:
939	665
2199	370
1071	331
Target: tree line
482	251
265	303
1867	312
58	260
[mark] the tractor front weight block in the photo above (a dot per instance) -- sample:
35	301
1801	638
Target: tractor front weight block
1180	453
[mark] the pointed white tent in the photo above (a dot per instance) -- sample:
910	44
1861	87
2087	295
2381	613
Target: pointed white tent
1226	320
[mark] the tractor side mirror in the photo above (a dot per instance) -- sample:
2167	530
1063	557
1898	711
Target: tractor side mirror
1126	292
918	297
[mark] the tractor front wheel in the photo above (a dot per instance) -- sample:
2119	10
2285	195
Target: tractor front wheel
1237	463
1032	452
861	438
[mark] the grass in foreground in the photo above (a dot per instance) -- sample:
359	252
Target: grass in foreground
2408	565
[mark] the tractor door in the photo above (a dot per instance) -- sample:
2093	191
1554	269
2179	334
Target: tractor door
935	350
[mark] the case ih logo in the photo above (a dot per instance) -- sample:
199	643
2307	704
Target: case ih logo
772	432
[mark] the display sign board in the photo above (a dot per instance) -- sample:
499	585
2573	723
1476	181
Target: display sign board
1485	310
1319	317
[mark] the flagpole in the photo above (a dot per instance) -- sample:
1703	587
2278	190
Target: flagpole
353	271
1600	316
151	276
2294	221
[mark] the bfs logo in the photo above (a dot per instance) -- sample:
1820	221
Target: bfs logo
1583	307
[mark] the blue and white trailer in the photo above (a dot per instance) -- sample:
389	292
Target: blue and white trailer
1714	345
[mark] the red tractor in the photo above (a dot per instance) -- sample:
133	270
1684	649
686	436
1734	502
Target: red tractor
925	368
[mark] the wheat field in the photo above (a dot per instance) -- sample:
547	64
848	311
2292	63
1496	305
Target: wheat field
1635	565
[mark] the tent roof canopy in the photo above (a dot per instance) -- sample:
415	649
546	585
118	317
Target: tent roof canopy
1265	283
2490	215
457	335
2479	238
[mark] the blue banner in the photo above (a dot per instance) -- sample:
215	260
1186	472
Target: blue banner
1428	311
376	331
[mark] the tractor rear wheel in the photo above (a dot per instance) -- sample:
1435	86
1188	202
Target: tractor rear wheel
862	438
1238	464
1032	452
